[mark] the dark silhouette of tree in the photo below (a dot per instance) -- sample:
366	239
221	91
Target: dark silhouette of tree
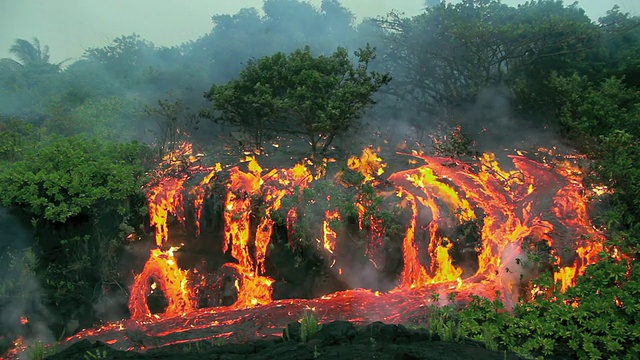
29	53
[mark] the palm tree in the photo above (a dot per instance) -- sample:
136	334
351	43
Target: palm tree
30	53
31	67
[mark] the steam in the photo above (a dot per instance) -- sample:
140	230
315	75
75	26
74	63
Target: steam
22	310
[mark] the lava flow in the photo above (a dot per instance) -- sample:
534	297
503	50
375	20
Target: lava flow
536	201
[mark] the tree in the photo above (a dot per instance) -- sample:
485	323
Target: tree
316	98
442	59
126	58
282	25
29	53
74	177
171	118
26	84
619	54
33	56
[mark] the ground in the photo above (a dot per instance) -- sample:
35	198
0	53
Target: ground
335	340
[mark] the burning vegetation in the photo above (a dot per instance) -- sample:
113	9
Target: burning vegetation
314	184
510	213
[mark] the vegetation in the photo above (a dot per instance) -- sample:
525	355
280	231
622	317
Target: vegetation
309	325
479	71
317	98
82	197
40	350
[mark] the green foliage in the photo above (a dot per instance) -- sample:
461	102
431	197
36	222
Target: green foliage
452	51
193	347
171	119
72	177
80	194
444	322
309	325
107	119
596	110
39	350
18	267
71	273
97	354
126	58
605	118
16	137
323	195
455	144
596	319
317	97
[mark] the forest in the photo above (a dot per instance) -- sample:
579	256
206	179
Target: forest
83	144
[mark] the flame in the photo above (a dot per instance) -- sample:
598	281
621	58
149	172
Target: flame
544	201
445	270
199	193
368	164
504	202
329	236
376	234
565	275
165	198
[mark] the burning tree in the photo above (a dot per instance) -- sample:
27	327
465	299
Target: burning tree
315	98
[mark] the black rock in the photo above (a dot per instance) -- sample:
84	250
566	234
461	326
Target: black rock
337	332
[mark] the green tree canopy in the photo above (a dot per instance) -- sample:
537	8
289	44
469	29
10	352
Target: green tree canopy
73	176
300	94
442	58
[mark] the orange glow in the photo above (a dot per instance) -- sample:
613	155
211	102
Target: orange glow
328	235
541	202
565	276
164	199
376	234
163	269
413	274
445	271
437	196
199	193
368	164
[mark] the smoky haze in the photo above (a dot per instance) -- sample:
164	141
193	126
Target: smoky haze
69	27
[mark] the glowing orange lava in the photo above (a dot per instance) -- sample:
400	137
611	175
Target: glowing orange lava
507	204
538	201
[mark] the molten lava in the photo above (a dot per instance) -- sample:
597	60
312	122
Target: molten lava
535	200
508	203
163	268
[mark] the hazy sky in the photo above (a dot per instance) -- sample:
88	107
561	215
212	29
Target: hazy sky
70	26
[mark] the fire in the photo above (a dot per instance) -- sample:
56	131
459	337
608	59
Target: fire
543	201
368	164
376	234
164	199
436	196
329	236
565	276
445	270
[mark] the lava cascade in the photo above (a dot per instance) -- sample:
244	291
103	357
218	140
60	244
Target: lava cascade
535	199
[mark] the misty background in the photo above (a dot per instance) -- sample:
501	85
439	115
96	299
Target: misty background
69	27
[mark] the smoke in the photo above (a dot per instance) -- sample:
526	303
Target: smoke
493	124
22	310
